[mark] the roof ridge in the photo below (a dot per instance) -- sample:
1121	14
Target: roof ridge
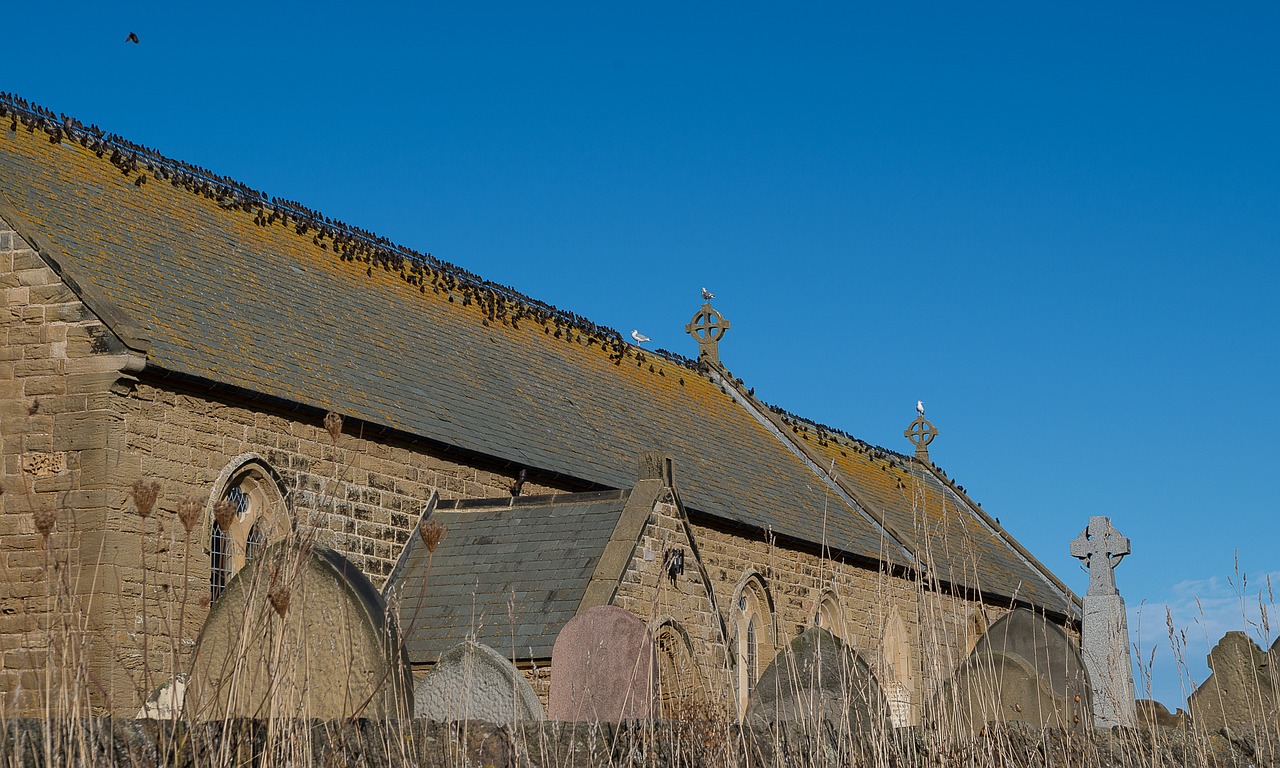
354	243
230	194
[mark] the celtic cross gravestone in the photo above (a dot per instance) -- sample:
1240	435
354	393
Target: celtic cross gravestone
1104	635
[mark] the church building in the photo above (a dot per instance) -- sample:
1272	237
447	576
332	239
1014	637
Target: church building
192	370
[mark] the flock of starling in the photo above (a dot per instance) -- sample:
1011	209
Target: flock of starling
500	304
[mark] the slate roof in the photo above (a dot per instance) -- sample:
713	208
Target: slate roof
512	572
216	281
957	541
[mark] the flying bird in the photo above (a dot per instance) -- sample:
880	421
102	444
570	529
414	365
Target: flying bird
707	295
132	38
639	337
920	407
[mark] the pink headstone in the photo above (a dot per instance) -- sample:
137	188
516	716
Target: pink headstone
600	668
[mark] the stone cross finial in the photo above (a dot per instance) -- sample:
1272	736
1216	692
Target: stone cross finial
1101	547
921	433
707	327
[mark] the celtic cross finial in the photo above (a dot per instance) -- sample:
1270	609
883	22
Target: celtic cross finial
921	433
1101	547
707	327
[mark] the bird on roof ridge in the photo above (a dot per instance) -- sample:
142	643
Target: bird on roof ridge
920	407
707	295
639	337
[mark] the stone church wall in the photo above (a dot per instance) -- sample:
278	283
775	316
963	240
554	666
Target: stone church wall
939	630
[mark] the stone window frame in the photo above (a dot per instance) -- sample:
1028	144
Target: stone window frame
829	603
752	617
265	521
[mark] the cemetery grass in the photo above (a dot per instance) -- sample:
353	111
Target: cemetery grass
70	722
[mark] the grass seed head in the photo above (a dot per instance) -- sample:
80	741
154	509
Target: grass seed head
44	518
224	513
333	425
278	593
144	497
189	512
432	532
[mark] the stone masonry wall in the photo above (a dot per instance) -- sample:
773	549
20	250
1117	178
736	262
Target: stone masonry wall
647	592
938	626
58	445
359	495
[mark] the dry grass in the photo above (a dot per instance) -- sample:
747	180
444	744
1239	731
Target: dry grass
698	728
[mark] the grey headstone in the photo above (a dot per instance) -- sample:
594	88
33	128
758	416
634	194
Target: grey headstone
600	668
299	632
472	681
1104	633
817	678
1024	669
1241	693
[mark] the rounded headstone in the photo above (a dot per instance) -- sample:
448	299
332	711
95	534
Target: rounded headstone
1024	669
299	632
600	668
472	681
817	678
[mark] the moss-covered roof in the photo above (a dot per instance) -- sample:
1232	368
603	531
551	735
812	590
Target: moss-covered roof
217	281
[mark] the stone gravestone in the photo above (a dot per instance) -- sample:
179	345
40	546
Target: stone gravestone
1241	693
1023	669
472	681
1104	635
817	678
299	632
600	668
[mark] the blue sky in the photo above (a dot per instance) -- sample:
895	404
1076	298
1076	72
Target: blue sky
1055	225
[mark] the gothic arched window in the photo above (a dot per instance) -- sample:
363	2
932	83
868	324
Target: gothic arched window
829	615
897	676
249	490
753	632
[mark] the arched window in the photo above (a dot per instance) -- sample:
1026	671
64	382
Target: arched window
896	673
753	632
251	489
829	615
678	684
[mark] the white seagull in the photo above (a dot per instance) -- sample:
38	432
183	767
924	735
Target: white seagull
707	295
920	407
639	337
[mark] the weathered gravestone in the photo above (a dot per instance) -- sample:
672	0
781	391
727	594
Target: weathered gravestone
600	668
1241	693
1153	714
1105	630
1104	634
472	681
299	632
817	678
1024	669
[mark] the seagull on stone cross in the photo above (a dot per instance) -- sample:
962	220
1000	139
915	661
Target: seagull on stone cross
920	407
639	337
707	295
132	38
